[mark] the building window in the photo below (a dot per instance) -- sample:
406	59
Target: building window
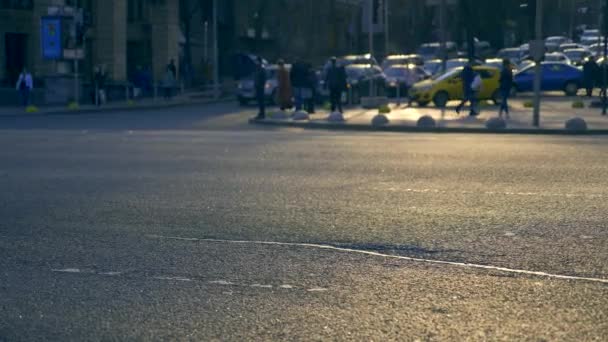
135	11
17	4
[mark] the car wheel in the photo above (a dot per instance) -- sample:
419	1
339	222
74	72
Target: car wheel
571	89
441	99
423	103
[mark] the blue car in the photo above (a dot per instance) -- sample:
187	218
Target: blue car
555	76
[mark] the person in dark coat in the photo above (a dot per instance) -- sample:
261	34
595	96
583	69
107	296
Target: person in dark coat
311	89
468	75
335	81
260	79
171	66
506	84
299	81
590	73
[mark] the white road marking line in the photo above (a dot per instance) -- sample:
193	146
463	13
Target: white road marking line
172	278
317	289
376	254
523	194
72	270
182	279
221	282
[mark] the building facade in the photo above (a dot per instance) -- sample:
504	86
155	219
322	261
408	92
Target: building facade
123	34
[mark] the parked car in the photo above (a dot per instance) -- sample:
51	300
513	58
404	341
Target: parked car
433	50
569	46
357	59
432	66
557	40
577	56
552	57
392	60
497	63
403	77
555	76
448	86
246	87
590	40
358	78
513	54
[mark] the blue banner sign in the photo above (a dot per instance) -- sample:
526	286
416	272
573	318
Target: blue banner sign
51	38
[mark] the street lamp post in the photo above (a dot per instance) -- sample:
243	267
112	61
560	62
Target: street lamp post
216	74
371	38
538	46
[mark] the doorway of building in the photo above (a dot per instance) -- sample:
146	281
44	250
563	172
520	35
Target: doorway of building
15	48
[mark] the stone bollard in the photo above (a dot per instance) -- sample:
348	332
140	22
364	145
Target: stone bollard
496	124
426	121
380	120
576	125
335	117
300	116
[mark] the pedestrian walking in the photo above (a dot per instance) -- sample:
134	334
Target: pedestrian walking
299	81
468	76
310	93
99	83
284	83
506	84
25	84
335	81
171	66
168	83
260	79
590	73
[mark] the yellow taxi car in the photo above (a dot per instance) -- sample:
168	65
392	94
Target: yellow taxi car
448	86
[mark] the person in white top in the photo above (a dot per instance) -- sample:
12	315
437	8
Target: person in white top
25	84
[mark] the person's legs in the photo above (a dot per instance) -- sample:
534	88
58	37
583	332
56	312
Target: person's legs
261	105
24	97
332	99
297	94
473	101
504	105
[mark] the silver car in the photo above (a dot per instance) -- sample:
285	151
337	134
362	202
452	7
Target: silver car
246	87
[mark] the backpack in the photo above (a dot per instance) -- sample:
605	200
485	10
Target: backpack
476	84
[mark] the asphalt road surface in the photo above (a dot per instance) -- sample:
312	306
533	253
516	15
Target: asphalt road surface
190	224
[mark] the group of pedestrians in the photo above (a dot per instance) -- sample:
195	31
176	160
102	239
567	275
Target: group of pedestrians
473	82
298	87
593	76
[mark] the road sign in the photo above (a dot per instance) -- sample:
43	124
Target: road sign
51	36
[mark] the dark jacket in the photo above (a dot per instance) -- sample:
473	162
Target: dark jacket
468	75
336	78
506	79
259	79
590	70
299	75
311	80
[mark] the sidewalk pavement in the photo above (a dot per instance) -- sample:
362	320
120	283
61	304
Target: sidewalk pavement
142	104
554	114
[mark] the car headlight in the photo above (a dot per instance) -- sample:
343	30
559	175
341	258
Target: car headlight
393	84
268	86
240	86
